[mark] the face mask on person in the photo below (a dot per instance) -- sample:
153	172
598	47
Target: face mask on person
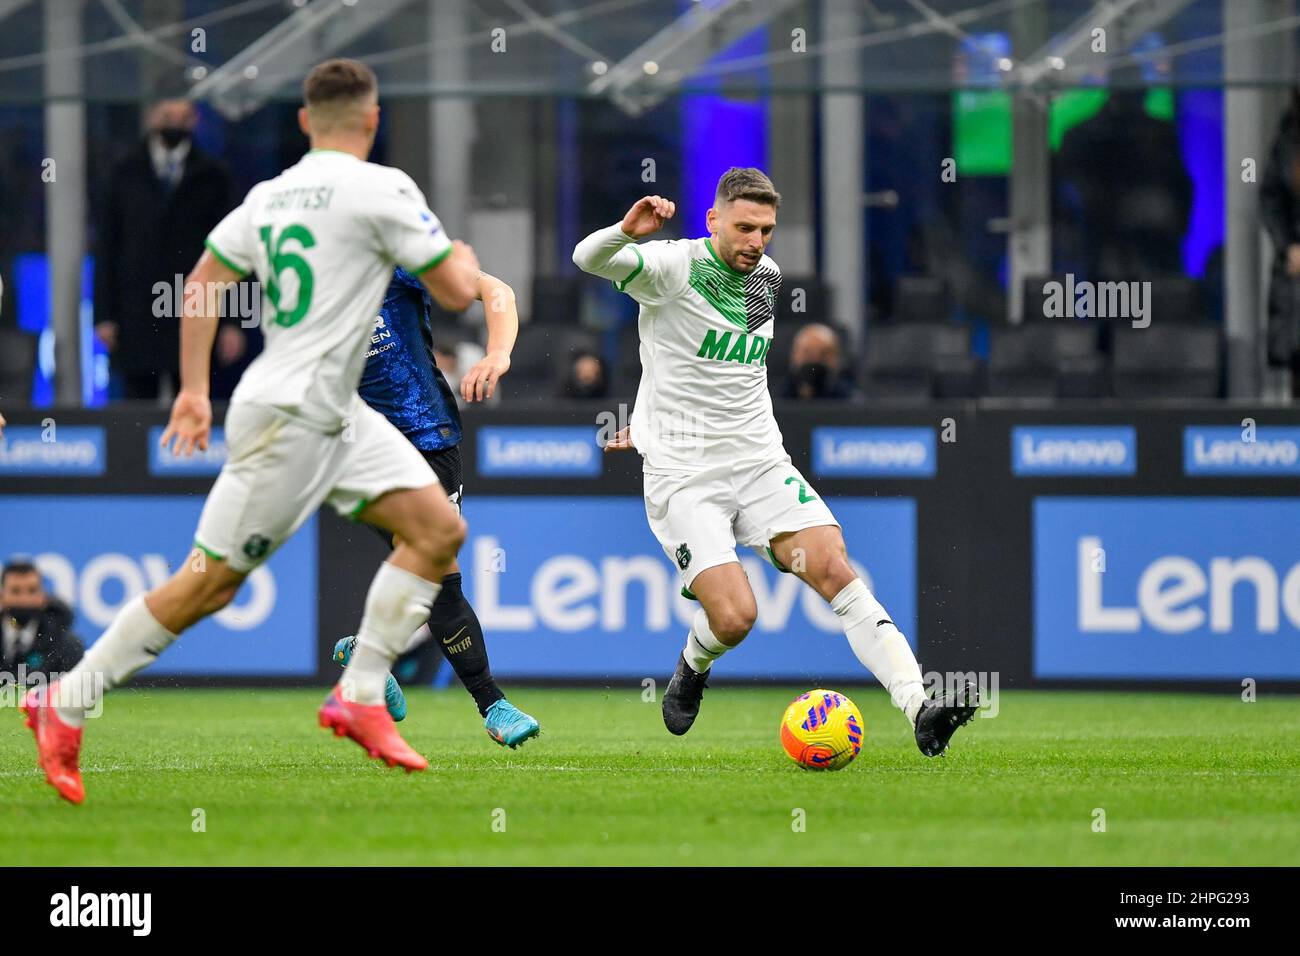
173	136
814	376
21	616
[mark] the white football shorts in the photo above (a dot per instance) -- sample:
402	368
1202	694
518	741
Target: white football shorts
699	518
281	469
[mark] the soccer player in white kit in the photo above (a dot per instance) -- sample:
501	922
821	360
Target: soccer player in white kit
323	238
716	471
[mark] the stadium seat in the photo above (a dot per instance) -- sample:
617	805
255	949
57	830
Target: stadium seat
921	360
1080	364
815	300
556	299
1046	360
922	299
1177	299
1166	361
1032	286
541	357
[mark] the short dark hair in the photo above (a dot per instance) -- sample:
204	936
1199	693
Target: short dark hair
337	81
17	566
746	182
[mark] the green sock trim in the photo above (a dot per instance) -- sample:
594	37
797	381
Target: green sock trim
208	551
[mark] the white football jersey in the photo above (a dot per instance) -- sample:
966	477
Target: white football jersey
705	331
323	238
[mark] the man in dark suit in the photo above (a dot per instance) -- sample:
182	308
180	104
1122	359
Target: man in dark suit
35	629
163	199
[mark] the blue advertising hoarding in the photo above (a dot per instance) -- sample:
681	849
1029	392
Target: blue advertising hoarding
873	452
1063	450
97	552
164	462
1265	451
54	451
538	451
1166	588
578	586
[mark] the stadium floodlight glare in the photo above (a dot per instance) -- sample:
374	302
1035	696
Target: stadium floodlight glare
1123	22
310	34
657	67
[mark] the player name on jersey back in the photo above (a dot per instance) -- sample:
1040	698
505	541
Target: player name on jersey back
323	237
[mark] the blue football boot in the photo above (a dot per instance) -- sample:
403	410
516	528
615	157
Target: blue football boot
508	725
394	699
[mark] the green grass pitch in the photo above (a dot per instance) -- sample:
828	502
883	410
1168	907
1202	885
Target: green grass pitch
1182	780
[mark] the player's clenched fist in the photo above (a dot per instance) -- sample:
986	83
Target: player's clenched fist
648	215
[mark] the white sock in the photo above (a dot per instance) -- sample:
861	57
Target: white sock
397	603
418	637
132	642
880	646
702	648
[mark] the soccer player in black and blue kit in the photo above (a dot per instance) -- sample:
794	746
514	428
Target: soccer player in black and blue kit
402	381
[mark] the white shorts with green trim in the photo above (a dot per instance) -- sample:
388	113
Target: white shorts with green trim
699	518
281	469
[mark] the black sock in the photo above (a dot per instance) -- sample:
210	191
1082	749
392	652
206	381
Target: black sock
458	634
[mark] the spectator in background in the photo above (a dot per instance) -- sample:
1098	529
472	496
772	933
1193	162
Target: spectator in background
815	371
35	629
162	201
587	376
1133	187
1279	203
453	357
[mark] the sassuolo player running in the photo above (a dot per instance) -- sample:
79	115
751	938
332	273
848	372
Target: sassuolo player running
323	238
402	382
716	472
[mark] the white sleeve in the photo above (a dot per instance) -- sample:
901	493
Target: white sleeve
647	271
410	235
232	240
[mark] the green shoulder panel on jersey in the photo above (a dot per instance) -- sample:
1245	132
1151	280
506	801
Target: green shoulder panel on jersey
221	257
720	286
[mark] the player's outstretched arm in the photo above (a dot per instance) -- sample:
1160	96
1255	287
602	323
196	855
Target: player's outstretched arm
502	316
453	282
191	418
607	252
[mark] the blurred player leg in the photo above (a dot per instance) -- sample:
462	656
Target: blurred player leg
455	632
406	585
146	626
403	589
141	630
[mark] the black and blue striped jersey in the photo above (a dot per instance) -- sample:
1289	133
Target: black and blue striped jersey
401	379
